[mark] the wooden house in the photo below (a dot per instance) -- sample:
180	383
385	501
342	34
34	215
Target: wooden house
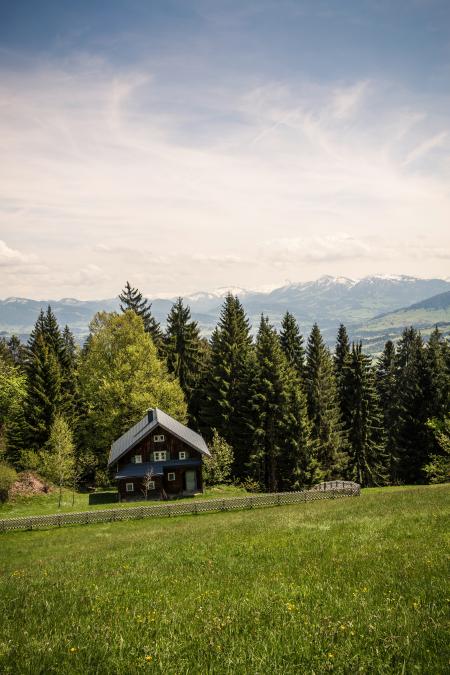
157	458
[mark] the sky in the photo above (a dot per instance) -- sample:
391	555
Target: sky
196	144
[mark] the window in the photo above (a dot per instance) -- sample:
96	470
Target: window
159	438
137	459
182	454
151	484
160	456
171	476
129	487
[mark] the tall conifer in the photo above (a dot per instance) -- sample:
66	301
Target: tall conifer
363	420
230	348
182	347
132	298
323	406
292	344
386	383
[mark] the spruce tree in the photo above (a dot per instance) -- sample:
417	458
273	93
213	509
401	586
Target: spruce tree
43	398
183	347
272	404
386	383
132	298
323	407
342	352
292	344
412	410
230	348
363	420
282	456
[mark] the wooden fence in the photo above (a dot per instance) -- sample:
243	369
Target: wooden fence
331	490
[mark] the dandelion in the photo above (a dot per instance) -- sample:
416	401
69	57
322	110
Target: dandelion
148	658
330	655
291	607
73	650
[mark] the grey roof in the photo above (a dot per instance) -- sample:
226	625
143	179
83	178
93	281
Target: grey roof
153	419
156	468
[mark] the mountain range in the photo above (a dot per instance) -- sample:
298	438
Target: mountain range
372	308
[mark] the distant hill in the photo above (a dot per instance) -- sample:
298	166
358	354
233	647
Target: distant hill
423	315
328	300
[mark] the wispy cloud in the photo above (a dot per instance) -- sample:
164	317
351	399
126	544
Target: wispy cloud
111	175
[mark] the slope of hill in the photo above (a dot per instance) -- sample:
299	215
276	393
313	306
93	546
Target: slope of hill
328	301
424	315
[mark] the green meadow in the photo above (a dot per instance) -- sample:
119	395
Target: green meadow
355	585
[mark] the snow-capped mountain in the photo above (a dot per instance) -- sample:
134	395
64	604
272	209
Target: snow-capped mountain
327	300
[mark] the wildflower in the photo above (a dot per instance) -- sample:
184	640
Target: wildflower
72	650
365	589
330	655
149	658
291	607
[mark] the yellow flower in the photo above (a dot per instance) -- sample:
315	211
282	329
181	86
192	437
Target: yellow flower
72	650
149	658
330	655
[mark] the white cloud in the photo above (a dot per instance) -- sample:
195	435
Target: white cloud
12	257
110	175
328	248
426	146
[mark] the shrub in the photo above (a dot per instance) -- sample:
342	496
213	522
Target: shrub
217	468
7	478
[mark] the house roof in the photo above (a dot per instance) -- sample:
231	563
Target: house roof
156	418
156	468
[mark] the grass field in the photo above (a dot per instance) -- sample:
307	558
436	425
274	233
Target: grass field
45	504
345	586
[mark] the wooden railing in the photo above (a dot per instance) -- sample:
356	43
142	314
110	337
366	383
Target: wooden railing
175	508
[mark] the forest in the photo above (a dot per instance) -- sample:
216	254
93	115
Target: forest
292	411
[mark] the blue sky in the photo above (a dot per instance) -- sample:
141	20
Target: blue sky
191	145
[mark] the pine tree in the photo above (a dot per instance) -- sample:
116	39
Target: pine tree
282	456
292	344
363	420
299	466
43	399
342	352
323	407
386	383
412	411
272	403
183	347
131	298
230	348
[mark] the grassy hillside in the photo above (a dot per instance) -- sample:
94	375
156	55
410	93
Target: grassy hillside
352	585
45	504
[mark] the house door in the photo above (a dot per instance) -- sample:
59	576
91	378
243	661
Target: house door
191	481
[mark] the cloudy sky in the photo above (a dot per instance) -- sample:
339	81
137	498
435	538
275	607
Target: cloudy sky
193	144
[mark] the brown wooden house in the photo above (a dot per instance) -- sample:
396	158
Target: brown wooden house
157	458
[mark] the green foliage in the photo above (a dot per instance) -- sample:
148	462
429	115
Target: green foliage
132	299
58	461
12	394
217	468
282	456
121	377
292	344
183	347
230	349
8	477
438	468
323	407
363	421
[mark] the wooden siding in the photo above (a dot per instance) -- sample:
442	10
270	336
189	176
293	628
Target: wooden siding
147	446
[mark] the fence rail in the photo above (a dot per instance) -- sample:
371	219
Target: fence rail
331	490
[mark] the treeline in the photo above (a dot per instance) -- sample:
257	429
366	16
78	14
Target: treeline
294	413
